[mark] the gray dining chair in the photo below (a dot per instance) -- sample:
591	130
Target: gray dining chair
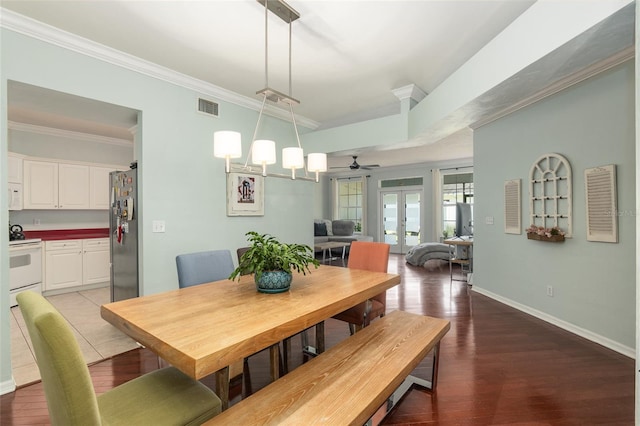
274	350
204	267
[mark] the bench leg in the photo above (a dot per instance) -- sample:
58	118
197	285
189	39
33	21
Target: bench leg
409	383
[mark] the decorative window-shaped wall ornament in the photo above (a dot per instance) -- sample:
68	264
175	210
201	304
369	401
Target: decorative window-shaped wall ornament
550	194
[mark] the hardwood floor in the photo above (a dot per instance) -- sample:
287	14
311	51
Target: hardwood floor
497	366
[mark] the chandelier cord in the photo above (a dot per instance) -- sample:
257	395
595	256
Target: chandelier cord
266	44
295	127
290	86
255	132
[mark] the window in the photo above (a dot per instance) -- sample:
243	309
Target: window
350	194
456	188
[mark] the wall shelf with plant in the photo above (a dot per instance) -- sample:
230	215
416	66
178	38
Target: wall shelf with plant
540	233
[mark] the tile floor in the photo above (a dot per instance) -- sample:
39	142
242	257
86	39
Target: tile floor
97	338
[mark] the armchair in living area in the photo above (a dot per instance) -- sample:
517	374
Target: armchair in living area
325	230
369	256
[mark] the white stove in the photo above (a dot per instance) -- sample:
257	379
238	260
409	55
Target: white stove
21	242
25	267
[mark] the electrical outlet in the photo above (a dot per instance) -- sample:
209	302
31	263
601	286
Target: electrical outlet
158	226
550	291
36	221
488	220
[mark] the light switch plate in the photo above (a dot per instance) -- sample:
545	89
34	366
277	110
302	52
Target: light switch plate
158	226
488	220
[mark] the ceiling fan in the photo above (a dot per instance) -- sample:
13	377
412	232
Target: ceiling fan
356	166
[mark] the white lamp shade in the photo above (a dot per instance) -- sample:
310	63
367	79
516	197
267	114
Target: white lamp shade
227	144
263	152
317	162
292	158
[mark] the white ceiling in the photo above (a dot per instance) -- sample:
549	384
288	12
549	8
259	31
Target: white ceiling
347	56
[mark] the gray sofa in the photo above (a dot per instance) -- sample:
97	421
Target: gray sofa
325	230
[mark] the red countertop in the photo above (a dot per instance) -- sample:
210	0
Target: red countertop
68	234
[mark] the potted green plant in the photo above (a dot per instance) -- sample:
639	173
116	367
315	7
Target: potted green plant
273	262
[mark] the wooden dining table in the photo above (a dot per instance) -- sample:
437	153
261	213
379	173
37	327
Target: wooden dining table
205	328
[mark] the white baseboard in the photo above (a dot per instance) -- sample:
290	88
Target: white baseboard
7	386
589	335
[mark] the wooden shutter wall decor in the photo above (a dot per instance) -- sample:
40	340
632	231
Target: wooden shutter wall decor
512	207
601	202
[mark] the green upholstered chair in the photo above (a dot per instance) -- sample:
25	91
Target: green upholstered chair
162	397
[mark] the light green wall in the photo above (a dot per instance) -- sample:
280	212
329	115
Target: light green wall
181	182
591	124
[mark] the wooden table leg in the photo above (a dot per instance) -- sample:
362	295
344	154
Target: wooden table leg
222	386
434	370
286	354
274	354
320	337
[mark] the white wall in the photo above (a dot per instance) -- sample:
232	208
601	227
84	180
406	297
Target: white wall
591	124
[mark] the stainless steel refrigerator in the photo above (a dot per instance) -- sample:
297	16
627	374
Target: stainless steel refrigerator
123	226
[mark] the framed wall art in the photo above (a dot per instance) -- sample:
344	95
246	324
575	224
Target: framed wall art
245	195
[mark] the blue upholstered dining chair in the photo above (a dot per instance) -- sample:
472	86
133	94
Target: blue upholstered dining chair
165	396
203	267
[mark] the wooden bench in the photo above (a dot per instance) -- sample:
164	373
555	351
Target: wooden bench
348	383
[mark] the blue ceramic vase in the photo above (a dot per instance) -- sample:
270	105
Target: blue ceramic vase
274	282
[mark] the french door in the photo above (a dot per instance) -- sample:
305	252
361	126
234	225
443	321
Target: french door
400	213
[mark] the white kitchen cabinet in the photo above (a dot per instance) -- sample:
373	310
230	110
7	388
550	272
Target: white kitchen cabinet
99	187
15	191
95	261
52	185
63	264
76	263
40	185
14	168
73	186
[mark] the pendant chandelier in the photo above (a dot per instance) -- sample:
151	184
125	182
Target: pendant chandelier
228	144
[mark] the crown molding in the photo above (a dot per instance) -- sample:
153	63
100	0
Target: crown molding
594	69
50	131
410	91
52	35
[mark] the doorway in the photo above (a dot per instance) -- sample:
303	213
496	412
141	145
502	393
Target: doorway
401	218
